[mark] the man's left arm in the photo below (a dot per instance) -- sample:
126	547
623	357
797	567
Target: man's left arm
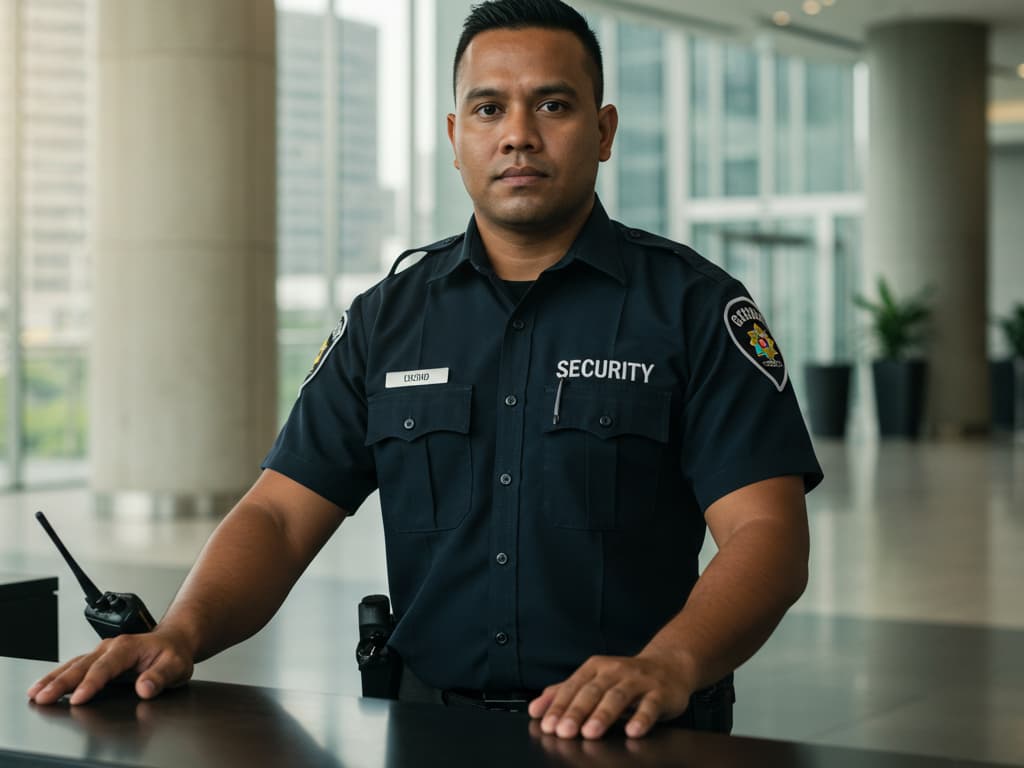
759	572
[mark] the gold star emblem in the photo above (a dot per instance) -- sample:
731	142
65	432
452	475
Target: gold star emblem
762	343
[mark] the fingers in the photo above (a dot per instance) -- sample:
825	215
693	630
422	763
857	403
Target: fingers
119	656
167	670
647	714
604	688
156	658
614	702
540	705
556	716
64	678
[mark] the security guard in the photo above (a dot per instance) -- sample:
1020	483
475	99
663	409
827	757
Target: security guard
554	407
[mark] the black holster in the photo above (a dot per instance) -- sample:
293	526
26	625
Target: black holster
380	666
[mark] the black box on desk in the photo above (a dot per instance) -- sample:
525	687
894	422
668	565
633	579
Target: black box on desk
28	605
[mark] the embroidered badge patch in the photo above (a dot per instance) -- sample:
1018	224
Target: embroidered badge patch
325	349
749	332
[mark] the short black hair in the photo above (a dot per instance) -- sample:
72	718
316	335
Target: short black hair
521	14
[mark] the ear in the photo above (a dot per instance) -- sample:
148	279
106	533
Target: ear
607	123
451	137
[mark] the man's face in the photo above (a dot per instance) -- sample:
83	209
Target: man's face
527	132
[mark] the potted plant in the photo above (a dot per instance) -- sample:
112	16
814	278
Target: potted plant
898	326
1008	375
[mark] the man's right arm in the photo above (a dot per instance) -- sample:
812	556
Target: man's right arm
242	576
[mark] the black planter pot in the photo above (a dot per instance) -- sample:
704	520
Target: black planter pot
828	397
1001	377
899	396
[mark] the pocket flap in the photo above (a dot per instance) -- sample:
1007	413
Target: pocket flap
611	411
411	414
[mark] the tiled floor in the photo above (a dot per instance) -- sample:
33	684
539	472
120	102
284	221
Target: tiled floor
910	636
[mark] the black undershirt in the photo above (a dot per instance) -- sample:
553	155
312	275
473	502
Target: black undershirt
516	289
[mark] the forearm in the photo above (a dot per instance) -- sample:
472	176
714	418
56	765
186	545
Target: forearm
242	576
737	602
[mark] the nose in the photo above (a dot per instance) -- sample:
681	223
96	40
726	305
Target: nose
520	134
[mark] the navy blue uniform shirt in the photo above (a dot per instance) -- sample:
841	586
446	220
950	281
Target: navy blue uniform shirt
543	466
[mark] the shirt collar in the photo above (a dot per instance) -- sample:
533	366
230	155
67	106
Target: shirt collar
595	245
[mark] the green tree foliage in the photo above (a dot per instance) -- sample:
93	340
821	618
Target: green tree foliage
1013	329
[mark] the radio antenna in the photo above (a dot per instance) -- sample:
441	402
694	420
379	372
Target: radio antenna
92	594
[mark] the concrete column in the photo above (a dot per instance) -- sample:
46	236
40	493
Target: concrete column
184	355
927	199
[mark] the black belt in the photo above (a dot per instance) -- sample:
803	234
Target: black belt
710	709
501	701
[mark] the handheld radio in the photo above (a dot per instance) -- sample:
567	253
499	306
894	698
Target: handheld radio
110	613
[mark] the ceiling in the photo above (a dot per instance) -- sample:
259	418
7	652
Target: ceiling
842	26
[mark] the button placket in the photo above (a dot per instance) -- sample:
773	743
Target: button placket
508	459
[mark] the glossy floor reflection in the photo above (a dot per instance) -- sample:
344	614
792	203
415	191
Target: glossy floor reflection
909	638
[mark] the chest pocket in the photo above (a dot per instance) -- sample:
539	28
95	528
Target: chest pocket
420	439
602	459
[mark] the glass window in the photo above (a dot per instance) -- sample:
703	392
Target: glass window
793	297
700	117
56	176
829	144
345	153
741	144
301	185
8	184
641	136
814	131
704	240
847	271
785	157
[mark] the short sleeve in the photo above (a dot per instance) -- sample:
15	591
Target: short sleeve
741	420
321	445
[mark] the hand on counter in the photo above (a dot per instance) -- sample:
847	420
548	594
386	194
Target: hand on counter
604	688
160	658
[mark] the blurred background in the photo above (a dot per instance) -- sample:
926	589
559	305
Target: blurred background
745	133
192	192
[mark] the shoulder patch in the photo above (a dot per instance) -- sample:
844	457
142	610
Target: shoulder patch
325	349
414	256
749	332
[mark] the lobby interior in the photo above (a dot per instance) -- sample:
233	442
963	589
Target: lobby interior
910	635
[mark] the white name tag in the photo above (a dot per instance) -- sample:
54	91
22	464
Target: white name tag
416	378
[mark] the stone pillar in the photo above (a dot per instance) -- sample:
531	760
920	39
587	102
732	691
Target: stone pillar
184	356
927	200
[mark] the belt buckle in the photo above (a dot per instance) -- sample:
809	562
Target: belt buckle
504	702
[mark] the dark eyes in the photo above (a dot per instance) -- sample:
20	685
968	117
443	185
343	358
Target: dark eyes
492	110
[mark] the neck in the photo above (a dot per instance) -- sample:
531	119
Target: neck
522	254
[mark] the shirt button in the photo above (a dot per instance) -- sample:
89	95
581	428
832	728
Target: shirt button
501	638
502	558
518	324
505	478
605	421
511	400
409	423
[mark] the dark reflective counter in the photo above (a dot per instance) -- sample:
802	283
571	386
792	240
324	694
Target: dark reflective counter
209	724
